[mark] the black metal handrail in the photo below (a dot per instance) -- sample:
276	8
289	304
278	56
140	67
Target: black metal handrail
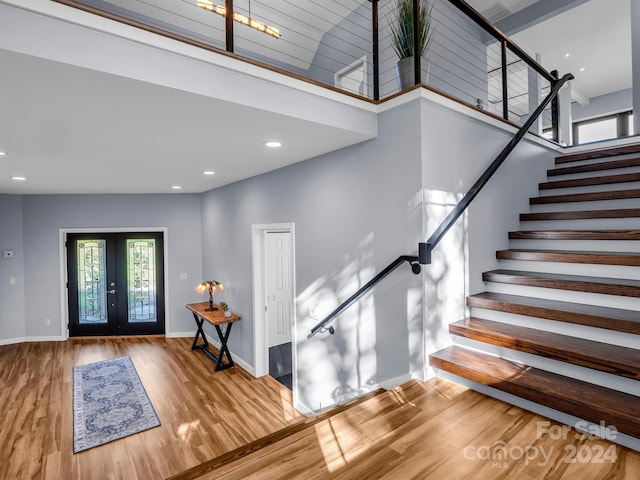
453	216
426	248
496	33
415	267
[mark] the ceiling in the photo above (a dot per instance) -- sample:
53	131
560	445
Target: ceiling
596	35
68	133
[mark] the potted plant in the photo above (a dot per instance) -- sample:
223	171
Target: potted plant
225	308
401	24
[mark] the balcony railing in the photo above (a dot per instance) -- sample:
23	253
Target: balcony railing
347	44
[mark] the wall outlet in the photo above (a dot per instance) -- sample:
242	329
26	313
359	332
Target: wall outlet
47	321
313	311
8	254
184	276
12	280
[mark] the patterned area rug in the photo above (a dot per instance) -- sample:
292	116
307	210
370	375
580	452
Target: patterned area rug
109	402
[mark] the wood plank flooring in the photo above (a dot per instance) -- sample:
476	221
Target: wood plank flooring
436	430
203	414
432	430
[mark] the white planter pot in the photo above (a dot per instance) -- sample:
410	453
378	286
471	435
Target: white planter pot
405	75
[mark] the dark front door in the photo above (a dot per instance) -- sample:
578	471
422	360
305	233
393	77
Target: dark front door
116	283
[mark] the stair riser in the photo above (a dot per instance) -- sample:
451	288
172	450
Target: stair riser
582	206
603	379
560	162
612	301
622	329
598	173
562	328
630	259
579	245
575	235
616	290
588	188
582	224
612	271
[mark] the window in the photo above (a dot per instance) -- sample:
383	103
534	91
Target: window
603	128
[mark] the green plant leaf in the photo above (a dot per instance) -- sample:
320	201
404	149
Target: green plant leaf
401	24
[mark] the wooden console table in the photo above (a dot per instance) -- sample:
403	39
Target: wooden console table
217	319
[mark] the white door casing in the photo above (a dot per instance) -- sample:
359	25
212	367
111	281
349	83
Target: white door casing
261	348
353	77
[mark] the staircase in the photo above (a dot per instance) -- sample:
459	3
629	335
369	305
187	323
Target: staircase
559	324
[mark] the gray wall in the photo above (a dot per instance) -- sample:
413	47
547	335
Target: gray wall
457	53
456	150
12	326
353	212
344	44
604	105
45	215
356	210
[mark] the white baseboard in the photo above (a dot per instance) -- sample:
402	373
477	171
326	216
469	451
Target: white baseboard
236	359
180	334
11	341
56	338
386	384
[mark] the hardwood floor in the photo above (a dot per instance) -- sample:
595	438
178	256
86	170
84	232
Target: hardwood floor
434	430
203	414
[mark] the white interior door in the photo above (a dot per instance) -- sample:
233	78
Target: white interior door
278	291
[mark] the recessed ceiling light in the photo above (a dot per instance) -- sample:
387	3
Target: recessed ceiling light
273	144
176	187
208	172
18	178
582	69
566	55
2	154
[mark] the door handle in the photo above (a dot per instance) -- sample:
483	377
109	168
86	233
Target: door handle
111	291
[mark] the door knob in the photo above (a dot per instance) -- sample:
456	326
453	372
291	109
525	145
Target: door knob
111	291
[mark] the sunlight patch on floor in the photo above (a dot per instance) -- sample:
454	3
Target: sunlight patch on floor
288	410
187	429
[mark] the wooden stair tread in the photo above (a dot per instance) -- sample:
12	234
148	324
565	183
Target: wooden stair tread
575	235
627	321
599	180
595	167
272	438
581	214
613	359
586	197
558	392
607	286
603	153
568	256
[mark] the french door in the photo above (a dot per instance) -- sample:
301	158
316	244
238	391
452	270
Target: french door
115	283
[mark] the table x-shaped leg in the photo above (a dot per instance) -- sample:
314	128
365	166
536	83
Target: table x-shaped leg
224	349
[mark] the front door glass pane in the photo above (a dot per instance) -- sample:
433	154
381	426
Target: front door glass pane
92	292
141	280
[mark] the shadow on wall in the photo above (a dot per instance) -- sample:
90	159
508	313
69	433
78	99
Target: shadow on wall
446	280
343	365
